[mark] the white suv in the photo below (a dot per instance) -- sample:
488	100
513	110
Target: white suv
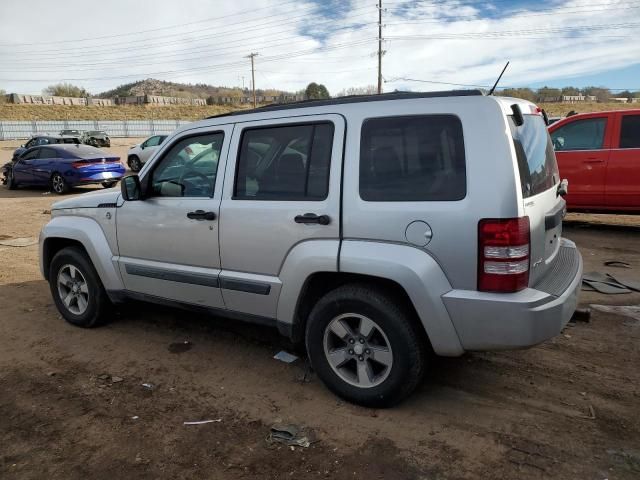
373	229
139	154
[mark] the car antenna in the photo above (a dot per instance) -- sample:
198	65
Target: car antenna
496	84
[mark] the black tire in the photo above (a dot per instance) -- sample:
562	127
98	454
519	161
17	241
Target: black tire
58	184
108	184
98	305
11	182
93	142
134	163
408	344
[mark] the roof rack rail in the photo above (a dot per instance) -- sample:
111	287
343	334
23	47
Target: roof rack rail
353	99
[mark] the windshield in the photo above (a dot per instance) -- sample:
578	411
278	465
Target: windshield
536	158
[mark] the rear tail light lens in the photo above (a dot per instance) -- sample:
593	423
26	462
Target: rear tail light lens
503	254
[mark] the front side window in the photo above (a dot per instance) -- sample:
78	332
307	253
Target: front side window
630	131
152	142
412	158
48	153
587	134
284	163
43	141
189	168
31	154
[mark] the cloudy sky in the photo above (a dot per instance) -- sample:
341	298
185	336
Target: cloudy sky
99	45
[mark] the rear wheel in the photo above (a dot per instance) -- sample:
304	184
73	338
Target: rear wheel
365	346
77	290
134	163
108	184
58	184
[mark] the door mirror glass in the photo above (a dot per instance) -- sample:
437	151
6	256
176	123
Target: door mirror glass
130	187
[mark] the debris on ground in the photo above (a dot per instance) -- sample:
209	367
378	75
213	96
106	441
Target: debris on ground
46	212
603	283
116	379
632	311
180	347
617	264
291	435
148	386
285	357
581	315
19	242
202	422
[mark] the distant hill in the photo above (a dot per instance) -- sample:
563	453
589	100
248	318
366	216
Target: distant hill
151	86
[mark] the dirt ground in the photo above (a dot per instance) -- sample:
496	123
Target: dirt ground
72	403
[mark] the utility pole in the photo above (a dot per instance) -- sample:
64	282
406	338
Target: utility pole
253	77
379	47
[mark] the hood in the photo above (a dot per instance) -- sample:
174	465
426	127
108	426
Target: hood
91	199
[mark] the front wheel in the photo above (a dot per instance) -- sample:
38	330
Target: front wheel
77	290
365	345
58	184
11	182
134	163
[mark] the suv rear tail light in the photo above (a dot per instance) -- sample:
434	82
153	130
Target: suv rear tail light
503	254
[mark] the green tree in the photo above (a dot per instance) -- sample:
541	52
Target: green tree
547	92
524	93
315	91
602	94
570	91
65	90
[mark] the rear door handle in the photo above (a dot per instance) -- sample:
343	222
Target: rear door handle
201	215
313	218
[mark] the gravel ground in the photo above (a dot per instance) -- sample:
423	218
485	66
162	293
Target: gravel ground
72	403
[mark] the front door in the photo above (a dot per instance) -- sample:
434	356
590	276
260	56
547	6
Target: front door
282	191
582	150
22	169
168	242
623	171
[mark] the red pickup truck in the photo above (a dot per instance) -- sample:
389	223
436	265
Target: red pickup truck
599	153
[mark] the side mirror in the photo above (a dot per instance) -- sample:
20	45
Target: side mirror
22	146
563	188
142	146
130	188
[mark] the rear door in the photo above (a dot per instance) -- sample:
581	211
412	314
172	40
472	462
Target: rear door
582	150
282	188
539	180
43	165
623	169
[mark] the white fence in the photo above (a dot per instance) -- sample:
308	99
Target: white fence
16	130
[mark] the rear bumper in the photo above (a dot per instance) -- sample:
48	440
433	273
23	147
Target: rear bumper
97	177
495	321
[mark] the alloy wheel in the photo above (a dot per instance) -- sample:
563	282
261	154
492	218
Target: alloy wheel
73	289
358	350
57	182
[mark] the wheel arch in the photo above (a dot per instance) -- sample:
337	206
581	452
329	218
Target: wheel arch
84	233
408	273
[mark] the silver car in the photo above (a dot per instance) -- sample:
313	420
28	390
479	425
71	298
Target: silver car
140	153
374	230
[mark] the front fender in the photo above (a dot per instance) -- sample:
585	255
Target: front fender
420	276
88	232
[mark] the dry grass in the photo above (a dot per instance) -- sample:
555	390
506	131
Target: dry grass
561	109
185	112
69	112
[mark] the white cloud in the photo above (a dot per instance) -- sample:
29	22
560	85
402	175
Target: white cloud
297	47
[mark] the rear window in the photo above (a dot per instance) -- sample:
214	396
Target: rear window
412	158
535	154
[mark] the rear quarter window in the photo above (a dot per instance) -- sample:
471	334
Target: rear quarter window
412	158
535	155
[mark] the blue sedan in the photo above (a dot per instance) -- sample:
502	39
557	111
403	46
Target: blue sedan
61	167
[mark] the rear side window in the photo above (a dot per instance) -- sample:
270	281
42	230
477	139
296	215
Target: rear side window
536	159
587	134
284	163
630	131
412	158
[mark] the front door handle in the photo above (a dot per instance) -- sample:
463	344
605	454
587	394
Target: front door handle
313	218
201	215
594	160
